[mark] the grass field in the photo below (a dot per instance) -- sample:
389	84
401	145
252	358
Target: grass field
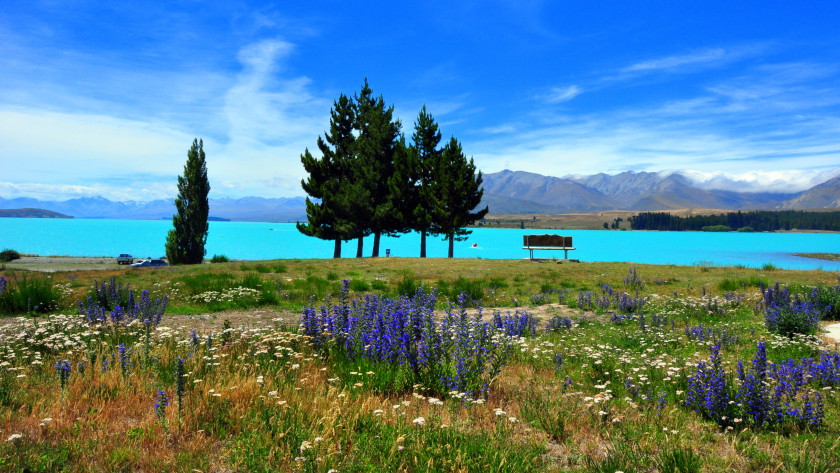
510	366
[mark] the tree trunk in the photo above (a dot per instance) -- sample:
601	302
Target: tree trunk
337	250
375	252
360	246
423	243
452	245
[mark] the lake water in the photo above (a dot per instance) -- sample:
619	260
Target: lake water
258	241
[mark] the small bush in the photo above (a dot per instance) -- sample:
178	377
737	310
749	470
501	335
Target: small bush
828	300
219	259
786	314
407	286
359	285
28	295
8	255
716	228
740	283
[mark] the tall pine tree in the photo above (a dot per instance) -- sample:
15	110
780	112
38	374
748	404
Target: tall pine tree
185	242
424	155
331	180
379	139
457	192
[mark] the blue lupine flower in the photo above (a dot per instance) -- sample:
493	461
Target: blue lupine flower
162	402
63	368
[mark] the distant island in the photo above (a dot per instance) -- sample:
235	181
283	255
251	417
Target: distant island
31	213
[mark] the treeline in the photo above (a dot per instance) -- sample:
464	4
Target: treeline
757	221
369	181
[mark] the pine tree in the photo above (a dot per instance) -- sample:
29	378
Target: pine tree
331	181
457	192
185	242
424	156
378	140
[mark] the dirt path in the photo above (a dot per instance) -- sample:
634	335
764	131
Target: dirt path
833	332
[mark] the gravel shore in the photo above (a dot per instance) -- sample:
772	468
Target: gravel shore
62	263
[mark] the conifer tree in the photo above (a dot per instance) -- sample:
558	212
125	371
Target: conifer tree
330	180
185	242
379	138
424	156
457	192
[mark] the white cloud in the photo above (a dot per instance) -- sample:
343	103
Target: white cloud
708	56
264	122
562	94
787	180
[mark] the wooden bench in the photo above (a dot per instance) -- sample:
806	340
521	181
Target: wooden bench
548	242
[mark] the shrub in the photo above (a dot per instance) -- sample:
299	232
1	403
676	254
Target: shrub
28	295
787	315
828	301
8	255
219	259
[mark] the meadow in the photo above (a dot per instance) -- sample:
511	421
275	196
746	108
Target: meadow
398	364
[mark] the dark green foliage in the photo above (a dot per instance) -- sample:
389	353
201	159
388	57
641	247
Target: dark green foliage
423	156
8	255
379	142
716	228
473	289
219	259
740	283
368	181
27	295
337	197
185	242
359	285
457	193
758	220
828	299
27	456
679	460
407	285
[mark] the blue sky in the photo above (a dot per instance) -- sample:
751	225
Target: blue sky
104	98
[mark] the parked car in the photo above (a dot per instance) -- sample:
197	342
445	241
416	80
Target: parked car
149	262
125	258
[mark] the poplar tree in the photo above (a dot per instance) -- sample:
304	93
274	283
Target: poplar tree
330	180
378	141
457	192
185	242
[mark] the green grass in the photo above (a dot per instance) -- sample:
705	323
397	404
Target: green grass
284	406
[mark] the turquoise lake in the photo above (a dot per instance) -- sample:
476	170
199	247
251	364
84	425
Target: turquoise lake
260	241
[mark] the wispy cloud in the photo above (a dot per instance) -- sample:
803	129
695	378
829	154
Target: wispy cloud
262	123
562	94
706	57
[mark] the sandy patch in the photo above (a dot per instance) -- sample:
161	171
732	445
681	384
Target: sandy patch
833	332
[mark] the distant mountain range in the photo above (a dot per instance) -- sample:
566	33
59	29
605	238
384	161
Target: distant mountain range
246	209
505	192
509	192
